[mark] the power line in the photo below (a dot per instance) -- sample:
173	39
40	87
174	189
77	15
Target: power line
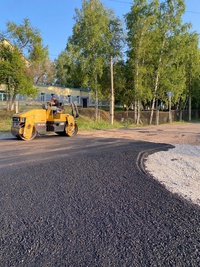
120	1
195	12
124	2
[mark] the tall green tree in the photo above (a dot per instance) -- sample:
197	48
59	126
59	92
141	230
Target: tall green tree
26	38
156	50
63	76
192	69
140	22
168	31
29	41
14	74
69	72
92	44
123	84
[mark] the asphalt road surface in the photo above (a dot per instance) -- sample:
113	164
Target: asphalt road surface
88	202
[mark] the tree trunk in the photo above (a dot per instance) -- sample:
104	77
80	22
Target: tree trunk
190	101
190	109
135	112
112	93
157	117
8	97
138	112
156	84
12	106
152	108
8	102
96	105
181	115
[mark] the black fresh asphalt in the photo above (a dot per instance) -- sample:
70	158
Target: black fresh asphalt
88	202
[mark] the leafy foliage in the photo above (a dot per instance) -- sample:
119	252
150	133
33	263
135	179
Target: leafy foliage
14	73
158	53
162	55
29	42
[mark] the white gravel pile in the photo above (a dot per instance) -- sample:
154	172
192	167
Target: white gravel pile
178	169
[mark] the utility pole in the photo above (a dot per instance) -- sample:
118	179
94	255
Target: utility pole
112	93
170	94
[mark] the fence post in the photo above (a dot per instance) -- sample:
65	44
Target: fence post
157	117
16	106
181	115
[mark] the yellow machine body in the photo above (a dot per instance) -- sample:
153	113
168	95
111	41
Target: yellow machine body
28	124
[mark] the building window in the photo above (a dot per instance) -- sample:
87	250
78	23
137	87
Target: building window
78	99
2	96
42	97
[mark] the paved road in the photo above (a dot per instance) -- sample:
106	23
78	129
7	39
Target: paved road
85	202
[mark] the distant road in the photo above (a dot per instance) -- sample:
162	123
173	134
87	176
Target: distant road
86	202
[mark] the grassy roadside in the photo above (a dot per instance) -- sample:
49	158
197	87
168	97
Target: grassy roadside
84	122
5	120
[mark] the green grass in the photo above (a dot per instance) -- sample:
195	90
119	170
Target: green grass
84	123
5	120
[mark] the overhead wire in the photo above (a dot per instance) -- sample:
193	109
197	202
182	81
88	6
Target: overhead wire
125	2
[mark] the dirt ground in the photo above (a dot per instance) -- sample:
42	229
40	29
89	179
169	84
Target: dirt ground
175	133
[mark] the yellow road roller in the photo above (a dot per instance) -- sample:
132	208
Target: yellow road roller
26	125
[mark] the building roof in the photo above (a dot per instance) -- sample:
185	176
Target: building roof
5	43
